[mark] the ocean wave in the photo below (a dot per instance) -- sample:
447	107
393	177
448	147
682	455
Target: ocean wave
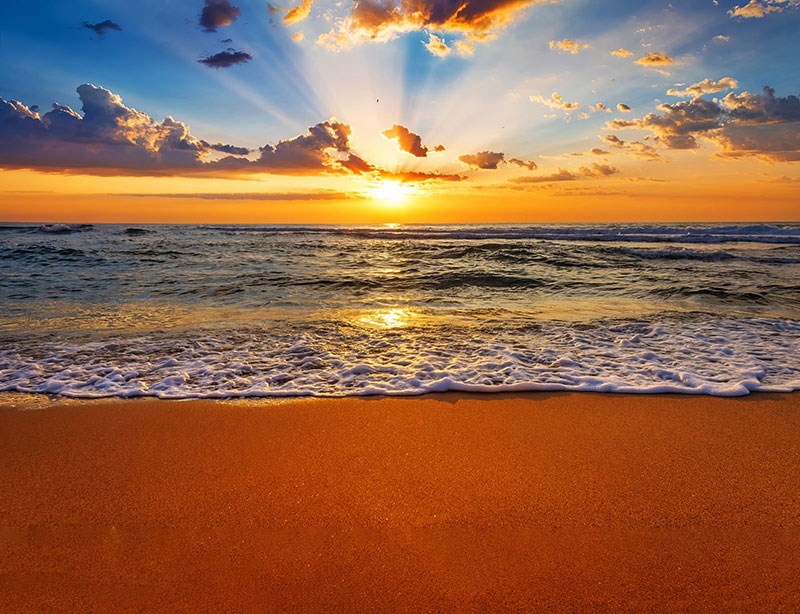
50	253
65	228
689	355
754	233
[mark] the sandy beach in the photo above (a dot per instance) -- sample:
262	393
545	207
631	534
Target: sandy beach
544	502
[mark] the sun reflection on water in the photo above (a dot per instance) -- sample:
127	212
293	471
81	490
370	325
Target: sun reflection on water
396	317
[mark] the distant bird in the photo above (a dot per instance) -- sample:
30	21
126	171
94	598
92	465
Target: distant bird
377	100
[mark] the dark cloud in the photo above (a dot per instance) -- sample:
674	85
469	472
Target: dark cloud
102	27
217	13
408	141
109	135
325	145
622	107
229	149
113	139
483	159
225	59
489	160
742	124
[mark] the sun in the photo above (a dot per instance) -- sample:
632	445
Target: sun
391	193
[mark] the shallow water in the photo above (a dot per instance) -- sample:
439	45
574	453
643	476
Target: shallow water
225	311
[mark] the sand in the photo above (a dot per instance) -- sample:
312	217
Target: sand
548	502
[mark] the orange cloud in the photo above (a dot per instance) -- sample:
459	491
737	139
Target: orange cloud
756	9
595	171
408	141
298	13
556	101
376	21
706	86
568	45
621	53
655	58
437	46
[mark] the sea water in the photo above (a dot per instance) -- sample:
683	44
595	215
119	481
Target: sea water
259	311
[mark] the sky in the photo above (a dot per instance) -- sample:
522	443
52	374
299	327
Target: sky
313	111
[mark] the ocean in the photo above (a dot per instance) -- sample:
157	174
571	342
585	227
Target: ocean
222	311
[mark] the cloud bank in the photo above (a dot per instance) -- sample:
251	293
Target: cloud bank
111	138
743	124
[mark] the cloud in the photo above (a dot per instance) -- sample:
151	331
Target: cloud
109	135
408	141
490	160
760	8
595	171
483	159
568	45
623	108
217	13
600	107
529	164
555	102
722	38
230	149
225	59
276	196
113	139
636	148
743	124
706	86
298	13
655	59
436	46
102	27
381	20
621	52
464	48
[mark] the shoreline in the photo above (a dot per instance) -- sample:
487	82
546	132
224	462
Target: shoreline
26	401
442	502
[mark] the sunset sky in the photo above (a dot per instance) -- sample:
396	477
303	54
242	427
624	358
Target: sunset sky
405	111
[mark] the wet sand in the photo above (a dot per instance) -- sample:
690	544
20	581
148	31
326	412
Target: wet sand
546	502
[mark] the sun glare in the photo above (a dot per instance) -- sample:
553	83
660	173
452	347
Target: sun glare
391	193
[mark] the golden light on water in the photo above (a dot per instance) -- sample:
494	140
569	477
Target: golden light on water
391	193
396	317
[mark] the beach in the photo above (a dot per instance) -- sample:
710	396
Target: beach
535	502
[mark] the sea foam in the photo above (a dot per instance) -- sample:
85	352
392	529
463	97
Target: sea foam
723	357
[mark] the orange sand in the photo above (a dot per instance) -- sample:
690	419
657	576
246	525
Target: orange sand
551	502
